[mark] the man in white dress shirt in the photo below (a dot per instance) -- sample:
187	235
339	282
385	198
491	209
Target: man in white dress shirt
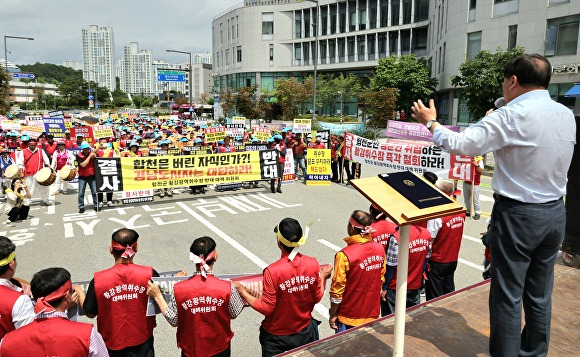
532	138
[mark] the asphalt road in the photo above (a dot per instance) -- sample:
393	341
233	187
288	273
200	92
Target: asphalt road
240	221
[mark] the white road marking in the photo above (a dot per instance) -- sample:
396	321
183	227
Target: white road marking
472	239
321	309
34	221
473	265
329	245
51	209
485	198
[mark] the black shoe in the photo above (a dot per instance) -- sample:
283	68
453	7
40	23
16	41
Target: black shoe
273	190
477	216
81	210
467	214
279	190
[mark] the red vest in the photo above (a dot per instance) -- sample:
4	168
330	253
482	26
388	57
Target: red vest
55	336
7	301
229	148
70	143
296	289
319	146
49	148
448	240
122	305
203	327
33	162
282	159
384	230
61	159
88	170
418	247
104	153
362	293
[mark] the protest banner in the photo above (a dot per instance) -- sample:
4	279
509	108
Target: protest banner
324	137
67	123
412	131
215	134
34	120
7	124
56	114
261	133
238	120
412	156
31	131
273	126
256	147
302	126
137	196
137	173
318	171
161	152
102	131
289	175
196	150
339	129
235	130
200	121
54	126
85	131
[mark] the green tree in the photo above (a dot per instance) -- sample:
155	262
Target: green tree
120	99
481	79
349	86
4	89
292	96
381	105
409	74
227	100
50	73
326	93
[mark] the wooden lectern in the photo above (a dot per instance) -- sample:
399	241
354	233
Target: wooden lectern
404	213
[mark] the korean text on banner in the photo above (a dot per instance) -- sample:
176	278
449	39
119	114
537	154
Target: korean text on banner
302	126
85	131
318	169
32	131
261	134
412	131
235	130
239	120
136	173
410	156
102	131
213	135
289	174
54	126
13	125
34	120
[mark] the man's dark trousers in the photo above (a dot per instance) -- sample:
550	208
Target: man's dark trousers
525	238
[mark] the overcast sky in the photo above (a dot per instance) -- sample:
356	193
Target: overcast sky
156	25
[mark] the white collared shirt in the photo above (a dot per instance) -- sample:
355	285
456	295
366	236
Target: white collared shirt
23	309
532	138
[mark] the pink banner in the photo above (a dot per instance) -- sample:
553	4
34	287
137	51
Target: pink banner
412	131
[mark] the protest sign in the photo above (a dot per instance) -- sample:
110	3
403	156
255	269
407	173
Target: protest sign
289	175
302	126
34	120
411	131
339	129
137	196
54	126
85	131
318	171
102	131
137	173
416	157
215	134
235	130
261	133
31	131
7	124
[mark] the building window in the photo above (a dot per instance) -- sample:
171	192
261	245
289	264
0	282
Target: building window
351	46
371	46
472	6
384	14
407	4
298	24
352	15
504	7
382	45
361	47
341	50
227	57
558	2
421	10
473	44
306	23
362	14
372	14
322	46
306	52
512	36
562	36
221	33
267	23
395	13
420	41
324	20
271	55
342	17
393	43
332	50
239	54
405	42
297	54
333	16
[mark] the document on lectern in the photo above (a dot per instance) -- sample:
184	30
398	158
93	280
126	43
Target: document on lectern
414	189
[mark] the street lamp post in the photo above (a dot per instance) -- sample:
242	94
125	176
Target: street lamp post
6	58
315	56
340	106
190	76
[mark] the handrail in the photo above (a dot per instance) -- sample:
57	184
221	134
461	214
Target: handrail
228	10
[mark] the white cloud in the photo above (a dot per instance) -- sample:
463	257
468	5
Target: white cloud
156	25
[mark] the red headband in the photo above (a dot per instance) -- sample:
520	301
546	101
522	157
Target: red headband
129	250
363	229
42	303
201	260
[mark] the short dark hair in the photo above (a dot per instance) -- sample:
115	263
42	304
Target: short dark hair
125	237
374	212
531	70
47	281
203	246
6	248
291	230
362	217
430	176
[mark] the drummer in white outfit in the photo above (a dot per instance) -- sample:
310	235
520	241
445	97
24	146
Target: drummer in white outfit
31	160
60	158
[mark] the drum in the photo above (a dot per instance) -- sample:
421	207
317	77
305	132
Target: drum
13	172
68	173
45	176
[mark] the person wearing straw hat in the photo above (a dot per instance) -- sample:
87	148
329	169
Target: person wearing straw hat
202	306
52	333
292	286
121	291
16	307
359	269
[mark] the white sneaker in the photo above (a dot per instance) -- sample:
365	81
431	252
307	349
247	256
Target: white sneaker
100	204
109	204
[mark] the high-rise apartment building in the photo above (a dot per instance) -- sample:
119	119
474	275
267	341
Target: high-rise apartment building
202	57
136	71
72	64
99	56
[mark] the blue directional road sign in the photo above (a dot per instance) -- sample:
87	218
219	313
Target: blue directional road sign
171	76
91	97
23	75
